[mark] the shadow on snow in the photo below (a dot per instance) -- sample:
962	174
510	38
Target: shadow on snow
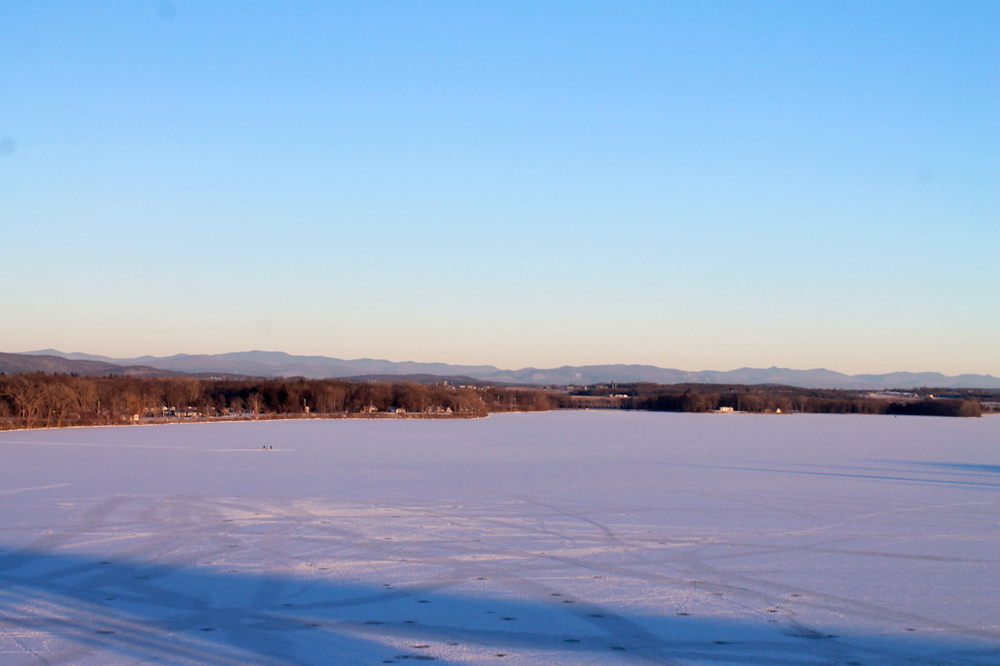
191	614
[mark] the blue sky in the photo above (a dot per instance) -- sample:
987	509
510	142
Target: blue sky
694	185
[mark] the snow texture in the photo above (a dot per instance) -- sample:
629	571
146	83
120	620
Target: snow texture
555	538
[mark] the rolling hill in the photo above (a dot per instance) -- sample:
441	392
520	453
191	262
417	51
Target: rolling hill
281	364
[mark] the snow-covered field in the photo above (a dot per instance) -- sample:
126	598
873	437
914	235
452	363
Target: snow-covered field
556	538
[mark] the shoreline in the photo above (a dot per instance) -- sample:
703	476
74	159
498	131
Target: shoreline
389	416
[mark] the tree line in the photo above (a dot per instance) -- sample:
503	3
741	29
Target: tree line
778	399
57	400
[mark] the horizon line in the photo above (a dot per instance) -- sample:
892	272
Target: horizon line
520	369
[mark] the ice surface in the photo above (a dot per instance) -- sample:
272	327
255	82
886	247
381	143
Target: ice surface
555	538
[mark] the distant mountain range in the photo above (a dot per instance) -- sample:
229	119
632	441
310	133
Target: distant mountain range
280	364
13	364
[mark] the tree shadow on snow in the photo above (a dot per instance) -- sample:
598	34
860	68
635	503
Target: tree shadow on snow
972	468
59	608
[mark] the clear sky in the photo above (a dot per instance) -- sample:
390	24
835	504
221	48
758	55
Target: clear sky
695	185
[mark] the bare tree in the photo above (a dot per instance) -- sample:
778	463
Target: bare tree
26	392
60	403
254	402
85	395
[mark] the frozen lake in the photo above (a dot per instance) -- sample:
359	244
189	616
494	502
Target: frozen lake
552	538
